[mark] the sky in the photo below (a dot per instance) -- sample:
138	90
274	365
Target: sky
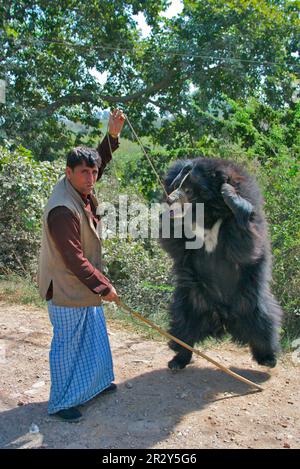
175	8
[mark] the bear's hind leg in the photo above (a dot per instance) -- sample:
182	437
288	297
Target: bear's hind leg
189	331
259	329
181	329
264	343
192	321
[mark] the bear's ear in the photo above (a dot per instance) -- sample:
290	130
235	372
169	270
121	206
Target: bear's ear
221	176
235	179
229	177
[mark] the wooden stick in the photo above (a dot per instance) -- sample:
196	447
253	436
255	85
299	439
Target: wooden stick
188	347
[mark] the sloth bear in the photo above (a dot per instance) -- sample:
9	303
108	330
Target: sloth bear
222	287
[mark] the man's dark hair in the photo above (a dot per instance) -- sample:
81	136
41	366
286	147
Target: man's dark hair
79	155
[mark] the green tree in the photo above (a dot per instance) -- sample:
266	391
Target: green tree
238	47
25	186
48	52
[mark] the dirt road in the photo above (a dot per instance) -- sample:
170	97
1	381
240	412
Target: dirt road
200	407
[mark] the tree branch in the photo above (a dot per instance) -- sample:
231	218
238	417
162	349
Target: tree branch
87	97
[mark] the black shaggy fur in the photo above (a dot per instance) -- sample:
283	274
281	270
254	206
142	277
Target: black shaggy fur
226	290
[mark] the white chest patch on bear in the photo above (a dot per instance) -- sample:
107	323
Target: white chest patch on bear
208	238
211	236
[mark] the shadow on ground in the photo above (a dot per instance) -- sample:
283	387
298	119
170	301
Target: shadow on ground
142	413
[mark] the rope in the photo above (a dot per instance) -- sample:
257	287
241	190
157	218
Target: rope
147	156
109	144
112	159
188	347
143	149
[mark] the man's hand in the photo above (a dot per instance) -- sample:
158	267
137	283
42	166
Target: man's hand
115	123
112	296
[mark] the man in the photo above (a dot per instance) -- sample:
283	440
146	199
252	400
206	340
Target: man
70	278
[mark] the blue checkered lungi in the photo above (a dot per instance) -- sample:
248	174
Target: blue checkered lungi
80	356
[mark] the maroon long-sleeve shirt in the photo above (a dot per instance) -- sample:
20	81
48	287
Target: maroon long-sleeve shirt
64	228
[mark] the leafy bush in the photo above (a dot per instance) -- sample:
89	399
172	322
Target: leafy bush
25	186
280	180
138	268
141	275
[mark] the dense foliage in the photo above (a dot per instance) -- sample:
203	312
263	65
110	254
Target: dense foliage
52	52
25	186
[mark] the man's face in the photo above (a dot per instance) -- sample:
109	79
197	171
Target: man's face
82	177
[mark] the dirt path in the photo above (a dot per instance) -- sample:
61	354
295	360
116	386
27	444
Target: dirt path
199	407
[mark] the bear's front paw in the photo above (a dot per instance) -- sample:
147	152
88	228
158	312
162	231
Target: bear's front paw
227	190
240	207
